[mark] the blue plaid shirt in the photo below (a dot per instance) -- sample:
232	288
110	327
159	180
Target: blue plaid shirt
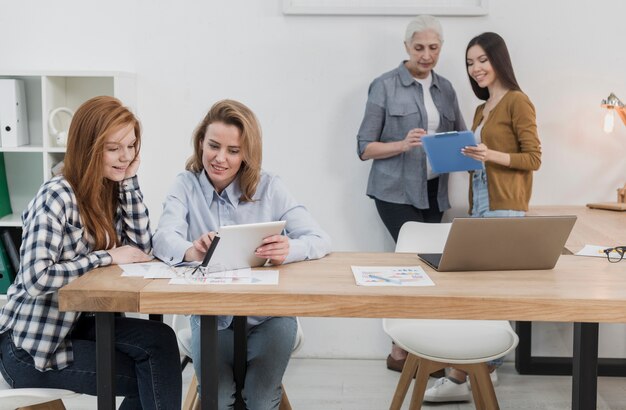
56	250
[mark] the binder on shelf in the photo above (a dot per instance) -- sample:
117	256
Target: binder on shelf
11	248
13	115
5	200
6	272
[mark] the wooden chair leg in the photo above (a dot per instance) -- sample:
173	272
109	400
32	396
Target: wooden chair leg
51	405
284	400
408	371
477	394
482	388
192	394
426	367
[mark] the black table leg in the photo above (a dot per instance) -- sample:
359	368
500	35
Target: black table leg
585	366
240	359
208	363
105	360
526	363
156	317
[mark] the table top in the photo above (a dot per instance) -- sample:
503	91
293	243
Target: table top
593	226
102	290
579	289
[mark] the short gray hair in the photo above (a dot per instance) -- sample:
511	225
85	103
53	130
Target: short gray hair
423	23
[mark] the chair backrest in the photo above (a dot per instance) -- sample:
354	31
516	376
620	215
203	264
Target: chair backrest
422	237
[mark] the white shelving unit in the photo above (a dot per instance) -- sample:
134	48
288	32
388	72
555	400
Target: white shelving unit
28	166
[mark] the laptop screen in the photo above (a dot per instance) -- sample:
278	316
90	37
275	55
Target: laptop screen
527	243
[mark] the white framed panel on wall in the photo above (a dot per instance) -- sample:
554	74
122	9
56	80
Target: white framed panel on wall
387	7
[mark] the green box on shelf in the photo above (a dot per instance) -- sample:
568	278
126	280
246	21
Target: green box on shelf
5	200
6	271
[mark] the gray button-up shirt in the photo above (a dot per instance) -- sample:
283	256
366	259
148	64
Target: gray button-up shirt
395	105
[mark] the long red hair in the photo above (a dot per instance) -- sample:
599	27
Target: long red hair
97	196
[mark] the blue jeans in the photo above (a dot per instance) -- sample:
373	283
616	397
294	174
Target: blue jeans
269	348
480	209
480	199
147	366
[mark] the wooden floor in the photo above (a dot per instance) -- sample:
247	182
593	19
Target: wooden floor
323	384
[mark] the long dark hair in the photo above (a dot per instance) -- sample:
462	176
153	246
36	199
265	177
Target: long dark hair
498	55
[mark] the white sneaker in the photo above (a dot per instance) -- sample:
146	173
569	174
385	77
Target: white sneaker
493	376
445	390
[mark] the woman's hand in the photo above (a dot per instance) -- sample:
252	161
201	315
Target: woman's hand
128	254
479	152
413	139
199	248
275	248
132	168
484	154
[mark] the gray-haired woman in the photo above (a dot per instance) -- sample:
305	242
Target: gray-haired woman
403	105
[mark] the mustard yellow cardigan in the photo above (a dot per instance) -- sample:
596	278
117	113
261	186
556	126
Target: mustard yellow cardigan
510	128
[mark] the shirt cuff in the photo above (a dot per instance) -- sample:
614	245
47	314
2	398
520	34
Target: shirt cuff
101	258
297	251
129	184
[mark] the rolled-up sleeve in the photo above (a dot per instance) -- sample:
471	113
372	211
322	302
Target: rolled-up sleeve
134	216
373	119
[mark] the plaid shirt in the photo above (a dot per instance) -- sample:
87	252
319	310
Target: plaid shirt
55	250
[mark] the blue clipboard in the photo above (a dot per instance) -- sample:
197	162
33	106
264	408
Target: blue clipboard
444	151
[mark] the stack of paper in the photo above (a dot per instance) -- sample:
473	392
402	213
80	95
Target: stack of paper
187	275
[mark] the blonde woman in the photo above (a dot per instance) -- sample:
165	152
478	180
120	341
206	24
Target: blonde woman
224	185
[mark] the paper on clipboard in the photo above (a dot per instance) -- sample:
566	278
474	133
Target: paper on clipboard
444	151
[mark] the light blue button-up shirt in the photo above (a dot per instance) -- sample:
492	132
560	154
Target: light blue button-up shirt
193	208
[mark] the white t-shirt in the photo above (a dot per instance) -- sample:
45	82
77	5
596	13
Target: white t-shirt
433	116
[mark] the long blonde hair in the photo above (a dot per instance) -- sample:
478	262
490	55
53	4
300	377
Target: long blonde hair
232	112
97	196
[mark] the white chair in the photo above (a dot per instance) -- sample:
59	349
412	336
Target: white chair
183	334
32	399
433	345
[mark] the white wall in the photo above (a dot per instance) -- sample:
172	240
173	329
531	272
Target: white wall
307	76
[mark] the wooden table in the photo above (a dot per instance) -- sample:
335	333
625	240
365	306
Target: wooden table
578	290
593	227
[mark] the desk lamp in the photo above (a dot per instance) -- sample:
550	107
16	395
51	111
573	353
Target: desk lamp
613	104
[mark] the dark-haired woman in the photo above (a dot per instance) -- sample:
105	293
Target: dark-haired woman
506	129
508	145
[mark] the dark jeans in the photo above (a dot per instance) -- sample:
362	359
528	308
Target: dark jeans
395	215
147	364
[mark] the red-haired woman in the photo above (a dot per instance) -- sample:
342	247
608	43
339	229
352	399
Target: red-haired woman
90	216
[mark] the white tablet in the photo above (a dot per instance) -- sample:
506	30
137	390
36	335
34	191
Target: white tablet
237	244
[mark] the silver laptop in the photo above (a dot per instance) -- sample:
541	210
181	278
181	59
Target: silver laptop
476	244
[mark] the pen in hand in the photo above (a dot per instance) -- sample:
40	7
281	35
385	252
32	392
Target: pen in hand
209	254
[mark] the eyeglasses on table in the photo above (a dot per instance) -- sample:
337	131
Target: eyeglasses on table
615	254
